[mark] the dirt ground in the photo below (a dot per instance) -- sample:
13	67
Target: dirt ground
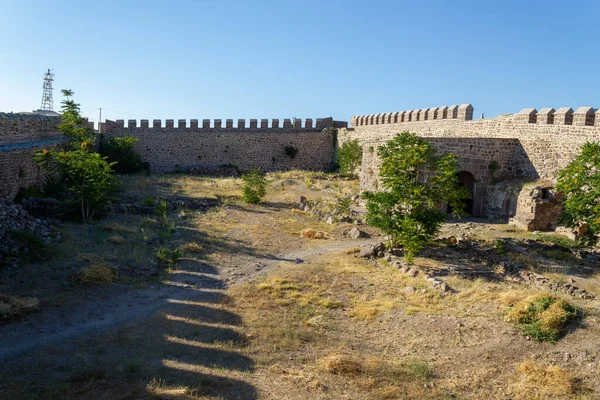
255	311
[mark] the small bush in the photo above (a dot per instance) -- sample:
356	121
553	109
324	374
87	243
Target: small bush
560	240
349	158
167	256
542	317
255	187
343	206
291	151
161	213
120	151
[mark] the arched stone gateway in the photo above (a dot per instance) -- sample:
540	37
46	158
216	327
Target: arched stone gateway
467	180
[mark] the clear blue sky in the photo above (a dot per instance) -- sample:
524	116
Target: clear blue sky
283	59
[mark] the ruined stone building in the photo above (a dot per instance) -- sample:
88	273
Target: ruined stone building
509	164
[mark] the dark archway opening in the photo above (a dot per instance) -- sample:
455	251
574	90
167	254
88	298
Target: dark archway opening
467	180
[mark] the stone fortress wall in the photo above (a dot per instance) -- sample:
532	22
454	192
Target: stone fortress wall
169	147
529	145
20	136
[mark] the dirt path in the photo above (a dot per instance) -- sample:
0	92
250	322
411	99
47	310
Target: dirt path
119	304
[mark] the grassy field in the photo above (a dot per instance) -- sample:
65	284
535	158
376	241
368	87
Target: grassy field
260	312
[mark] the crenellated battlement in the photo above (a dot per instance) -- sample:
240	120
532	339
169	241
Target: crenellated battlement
463	112
25	123
217	125
582	116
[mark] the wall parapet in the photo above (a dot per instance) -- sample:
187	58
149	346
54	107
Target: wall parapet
23	123
463	112
583	116
217	125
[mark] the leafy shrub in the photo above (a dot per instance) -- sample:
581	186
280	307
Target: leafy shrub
255	187
349	158
580	184
86	179
77	174
415	181
343	206
291	151
560	240
542	317
120	151
167	256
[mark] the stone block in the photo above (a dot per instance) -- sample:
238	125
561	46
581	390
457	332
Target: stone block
229	123
194	123
583	116
526	116
181	124
218	124
563	116
545	116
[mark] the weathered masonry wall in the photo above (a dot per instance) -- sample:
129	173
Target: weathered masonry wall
529	144
20	136
172	148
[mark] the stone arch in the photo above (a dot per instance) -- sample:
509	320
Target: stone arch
469	182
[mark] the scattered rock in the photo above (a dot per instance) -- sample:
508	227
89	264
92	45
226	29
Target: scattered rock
19	230
356	233
367	251
409	290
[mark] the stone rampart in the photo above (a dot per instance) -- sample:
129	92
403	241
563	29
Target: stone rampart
20	136
293	144
529	144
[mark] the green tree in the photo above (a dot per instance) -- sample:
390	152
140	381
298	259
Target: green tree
415	181
120	150
73	125
255	187
349	157
580	184
77	174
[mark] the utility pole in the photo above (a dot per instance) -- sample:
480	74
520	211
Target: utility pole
100	120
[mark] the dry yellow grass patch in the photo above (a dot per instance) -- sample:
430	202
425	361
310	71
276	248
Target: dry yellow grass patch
192	247
97	272
117	228
117	239
536	381
15	307
341	364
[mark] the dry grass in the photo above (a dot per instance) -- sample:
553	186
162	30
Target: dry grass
12	307
542	316
536	381
341	364
97	272
192	247
117	228
117	239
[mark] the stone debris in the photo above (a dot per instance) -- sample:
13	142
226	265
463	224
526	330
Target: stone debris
356	233
15	221
516	273
370	250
